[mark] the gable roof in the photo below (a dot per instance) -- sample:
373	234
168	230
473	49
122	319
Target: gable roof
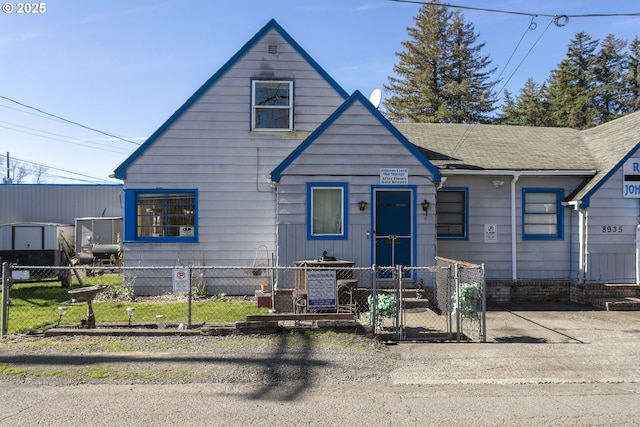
121	171
355	97
499	147
611	144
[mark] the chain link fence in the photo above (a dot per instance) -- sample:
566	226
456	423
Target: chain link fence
461	296
396	303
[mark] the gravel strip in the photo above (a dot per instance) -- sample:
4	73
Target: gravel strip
286	358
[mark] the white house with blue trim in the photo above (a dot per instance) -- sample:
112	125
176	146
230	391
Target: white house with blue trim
272	161
221	180
354	185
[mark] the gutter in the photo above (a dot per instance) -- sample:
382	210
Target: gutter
497	172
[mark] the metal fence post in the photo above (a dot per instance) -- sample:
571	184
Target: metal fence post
456	278
374	299
5	298
483	284
399	312
189	298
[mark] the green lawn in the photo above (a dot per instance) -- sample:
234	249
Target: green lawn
35	307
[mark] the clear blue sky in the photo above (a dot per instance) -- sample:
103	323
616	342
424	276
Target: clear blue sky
124	66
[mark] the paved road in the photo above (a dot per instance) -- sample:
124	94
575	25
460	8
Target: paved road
556	365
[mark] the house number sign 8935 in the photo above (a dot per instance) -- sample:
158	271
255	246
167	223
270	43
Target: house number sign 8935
612	229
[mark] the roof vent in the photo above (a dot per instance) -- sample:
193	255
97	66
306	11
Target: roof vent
273	49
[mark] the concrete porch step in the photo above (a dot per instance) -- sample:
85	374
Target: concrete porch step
415	303
618	304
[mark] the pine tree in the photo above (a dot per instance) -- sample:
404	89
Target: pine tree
527	109
509	114
608	84
442	77
569	90
632	78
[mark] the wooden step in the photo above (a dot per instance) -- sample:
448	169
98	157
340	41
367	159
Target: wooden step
618	304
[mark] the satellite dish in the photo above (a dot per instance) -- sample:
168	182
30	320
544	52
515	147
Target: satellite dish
375	97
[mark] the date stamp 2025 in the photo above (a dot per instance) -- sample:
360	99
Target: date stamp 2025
24	8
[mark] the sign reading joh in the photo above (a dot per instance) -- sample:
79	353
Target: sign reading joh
631	179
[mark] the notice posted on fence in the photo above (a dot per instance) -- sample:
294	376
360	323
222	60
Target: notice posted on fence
321	290
181	277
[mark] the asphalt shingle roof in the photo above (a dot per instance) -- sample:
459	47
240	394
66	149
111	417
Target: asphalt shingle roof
498	147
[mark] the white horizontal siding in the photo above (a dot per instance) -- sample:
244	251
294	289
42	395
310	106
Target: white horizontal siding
536	259
210	148
611	255
352	150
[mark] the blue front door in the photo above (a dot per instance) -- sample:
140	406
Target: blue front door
393	227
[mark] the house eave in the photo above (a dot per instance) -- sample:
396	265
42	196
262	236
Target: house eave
497	172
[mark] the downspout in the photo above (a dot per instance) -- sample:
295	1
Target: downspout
583	245
582	239
514	230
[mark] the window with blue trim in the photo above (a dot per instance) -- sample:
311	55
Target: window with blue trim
326	211
451	213
160	215
542	214
272	105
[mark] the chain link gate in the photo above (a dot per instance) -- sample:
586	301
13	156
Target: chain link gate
404	309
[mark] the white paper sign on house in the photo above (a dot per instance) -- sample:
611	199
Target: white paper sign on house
490	233
394	176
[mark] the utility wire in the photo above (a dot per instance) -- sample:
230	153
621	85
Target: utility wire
66	141
68	121
563	17
530	27
61	170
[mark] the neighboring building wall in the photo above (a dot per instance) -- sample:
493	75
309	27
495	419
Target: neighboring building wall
611	242
58	203
210	148
536	259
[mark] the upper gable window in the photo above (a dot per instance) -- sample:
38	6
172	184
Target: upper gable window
272	105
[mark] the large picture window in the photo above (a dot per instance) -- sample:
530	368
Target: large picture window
160	215
326	211
451	213
542	214
272	105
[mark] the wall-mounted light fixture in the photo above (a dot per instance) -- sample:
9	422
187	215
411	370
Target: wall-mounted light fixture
362	205
497	183
425	206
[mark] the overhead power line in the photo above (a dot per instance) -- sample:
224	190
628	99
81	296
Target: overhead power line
561	19
93	178
68	140
68	121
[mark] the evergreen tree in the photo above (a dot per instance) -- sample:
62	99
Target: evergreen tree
509	111
442	76
569	90
528	109
632	78
608	84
